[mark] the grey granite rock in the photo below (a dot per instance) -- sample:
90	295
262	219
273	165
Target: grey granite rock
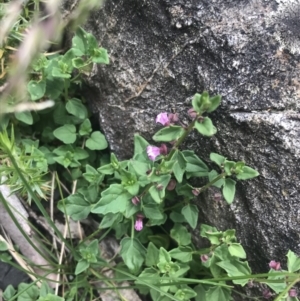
164	51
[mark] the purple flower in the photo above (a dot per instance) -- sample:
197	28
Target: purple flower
274	265
292	292
153	152
135	200
163	118
138	226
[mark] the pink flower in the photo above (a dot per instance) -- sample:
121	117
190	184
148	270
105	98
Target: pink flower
163	118
153	152
135	200
292	292
138	226
274	265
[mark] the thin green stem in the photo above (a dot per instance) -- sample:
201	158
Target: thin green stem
181	139
132	227
216	179
283	293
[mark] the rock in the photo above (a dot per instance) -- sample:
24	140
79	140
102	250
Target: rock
163	52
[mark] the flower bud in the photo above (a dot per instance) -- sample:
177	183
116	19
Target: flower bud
171	184
192	113
293	292
159	187
267	294
163	149
173	118
204	257
274	265
135	200
195	191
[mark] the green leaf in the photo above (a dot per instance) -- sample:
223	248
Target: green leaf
247	173
237	250
85	128
75	206
160	240
140	168
164	256
50	297
190	213
79	42
81	266
110	219
215	102
9	292
229	167
185	294
152	211
158	194
28	292
79	63
75	107
25	117
177	217
212	175
129	182
196	102
133	253
66	133
100	56
206	127
195	167
236	268
218	293
211	233
277	287
3	246
106	169
152	255
169	133
140	144
36	89
183	254
229	190
181	235
179	166
217	158
97	141
293	262
113	200
201	293
54	87
92	175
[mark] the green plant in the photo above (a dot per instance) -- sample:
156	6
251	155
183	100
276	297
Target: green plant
61	135
149	202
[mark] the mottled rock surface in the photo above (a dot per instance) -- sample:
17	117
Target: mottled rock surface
164	51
